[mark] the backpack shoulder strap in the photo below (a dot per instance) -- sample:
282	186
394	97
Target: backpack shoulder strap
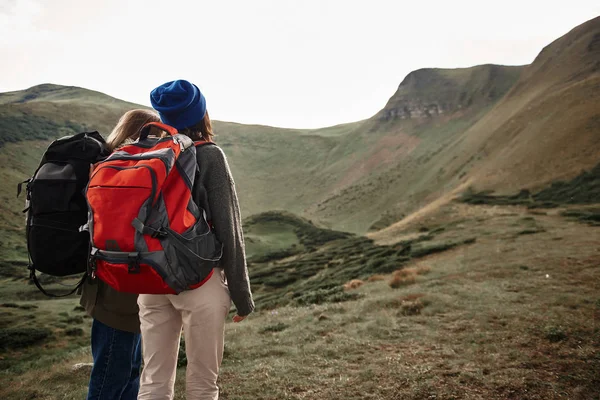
200	143
37	283
145	131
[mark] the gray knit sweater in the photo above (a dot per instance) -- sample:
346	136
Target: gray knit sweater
215	193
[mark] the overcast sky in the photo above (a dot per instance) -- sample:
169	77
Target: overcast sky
301	63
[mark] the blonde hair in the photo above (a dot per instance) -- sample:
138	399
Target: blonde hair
128	128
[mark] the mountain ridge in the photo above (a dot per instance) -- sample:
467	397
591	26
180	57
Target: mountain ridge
431	92
500	128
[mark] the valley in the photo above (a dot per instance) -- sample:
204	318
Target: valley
448	247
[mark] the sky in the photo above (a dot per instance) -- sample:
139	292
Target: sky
288	63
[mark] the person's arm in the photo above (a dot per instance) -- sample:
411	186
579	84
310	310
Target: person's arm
216	177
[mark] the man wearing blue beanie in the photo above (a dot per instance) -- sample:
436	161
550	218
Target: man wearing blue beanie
202	311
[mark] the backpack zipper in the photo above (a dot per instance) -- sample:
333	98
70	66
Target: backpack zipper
140	158
152	175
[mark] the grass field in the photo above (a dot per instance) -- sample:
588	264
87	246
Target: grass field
513	315
479	277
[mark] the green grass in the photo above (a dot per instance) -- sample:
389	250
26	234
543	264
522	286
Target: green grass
479	326
583	189
35	334
19	338
274	168
476	326
276	234
314	271
589	216
13	127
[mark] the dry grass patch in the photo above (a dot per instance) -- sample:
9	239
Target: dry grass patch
412	297
486	323
412	307
399	280
422	270
407	276
376	278
353	284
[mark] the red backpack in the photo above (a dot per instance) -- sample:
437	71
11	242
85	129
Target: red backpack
147	233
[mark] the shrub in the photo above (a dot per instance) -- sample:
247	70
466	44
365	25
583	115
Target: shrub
275	255
280	280
18	338
555	333
181	356
278	327
530	231
73	320
320	296
375	263
28	307
583	189
343	296
74	332
423	251
413	307
589	216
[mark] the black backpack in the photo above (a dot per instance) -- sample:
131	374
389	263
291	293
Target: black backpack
57	241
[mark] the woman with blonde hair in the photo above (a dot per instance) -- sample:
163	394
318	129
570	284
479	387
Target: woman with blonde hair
115	341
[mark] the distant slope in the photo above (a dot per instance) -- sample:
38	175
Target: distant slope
274	168
395	161
490	127
29	120
47	111
433	92
546	128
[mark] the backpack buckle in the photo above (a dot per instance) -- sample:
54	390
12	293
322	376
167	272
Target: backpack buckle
133	264
158	234
92	262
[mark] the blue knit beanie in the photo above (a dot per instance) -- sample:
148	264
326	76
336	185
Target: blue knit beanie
179	103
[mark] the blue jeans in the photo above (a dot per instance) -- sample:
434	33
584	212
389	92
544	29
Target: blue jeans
117	360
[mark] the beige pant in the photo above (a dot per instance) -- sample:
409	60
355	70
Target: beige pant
202	313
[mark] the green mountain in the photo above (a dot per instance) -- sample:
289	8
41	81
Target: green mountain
394	164
466	287
491	127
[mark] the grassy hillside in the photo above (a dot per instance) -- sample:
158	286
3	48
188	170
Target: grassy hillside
583	189
50	111
397	161
465	323
17	162
489	127
543	130
479	278
548	126
303	171
432	92
29	120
